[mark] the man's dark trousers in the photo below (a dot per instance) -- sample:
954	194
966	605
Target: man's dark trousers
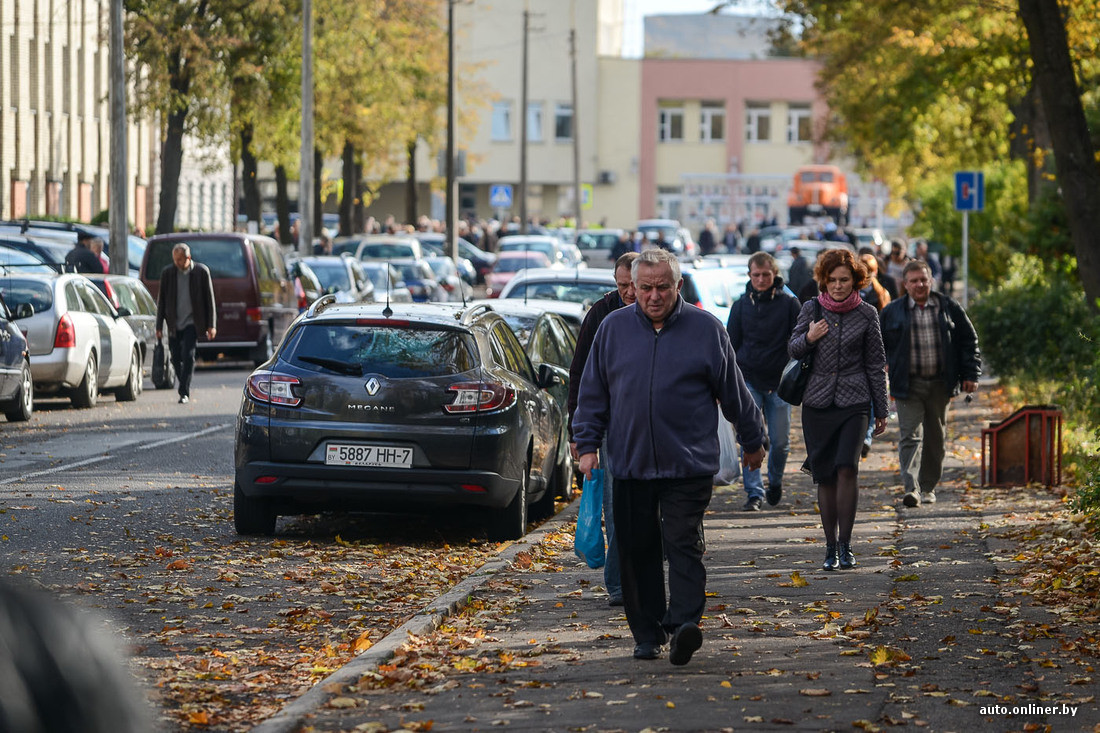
181	344
655	519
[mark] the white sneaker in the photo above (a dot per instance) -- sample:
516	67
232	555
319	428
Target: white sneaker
911	499
928	497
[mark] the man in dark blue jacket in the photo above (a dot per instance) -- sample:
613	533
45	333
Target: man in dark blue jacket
759	326
657	372
931	351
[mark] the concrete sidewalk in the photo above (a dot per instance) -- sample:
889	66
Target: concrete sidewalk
924	632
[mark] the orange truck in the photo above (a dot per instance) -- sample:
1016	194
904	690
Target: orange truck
818	190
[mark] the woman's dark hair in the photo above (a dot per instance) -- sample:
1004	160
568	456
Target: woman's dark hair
839	257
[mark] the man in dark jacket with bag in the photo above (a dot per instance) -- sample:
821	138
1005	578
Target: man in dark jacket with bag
186	303
931	351
658	372
623	294
759	327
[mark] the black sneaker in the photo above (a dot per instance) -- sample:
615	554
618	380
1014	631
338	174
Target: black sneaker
754	504
774	494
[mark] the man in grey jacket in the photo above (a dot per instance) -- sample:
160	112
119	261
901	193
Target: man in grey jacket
186	303
658	371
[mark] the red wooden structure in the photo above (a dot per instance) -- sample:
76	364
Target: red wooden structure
1024	448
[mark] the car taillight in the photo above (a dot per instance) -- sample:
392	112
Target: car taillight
254	314
303	301
274	389
66	333
480	397
111	294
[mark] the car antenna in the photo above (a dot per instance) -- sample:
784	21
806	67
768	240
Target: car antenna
387	311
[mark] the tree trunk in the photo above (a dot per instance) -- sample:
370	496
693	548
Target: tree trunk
282	205
1078	171
248	178
171	162
348	199
360	203
410	186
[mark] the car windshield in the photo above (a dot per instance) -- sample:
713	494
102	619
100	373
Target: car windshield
394	352
224	257
573	292
17	261
37	293
382	251
597	241
515	264
545	247
331	274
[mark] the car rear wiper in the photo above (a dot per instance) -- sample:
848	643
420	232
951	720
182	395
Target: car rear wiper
343	367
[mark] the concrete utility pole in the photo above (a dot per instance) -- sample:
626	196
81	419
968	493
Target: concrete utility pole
449	246
576	130
119	220
305	175
523	130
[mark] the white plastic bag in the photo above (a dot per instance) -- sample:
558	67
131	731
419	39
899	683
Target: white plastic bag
729	463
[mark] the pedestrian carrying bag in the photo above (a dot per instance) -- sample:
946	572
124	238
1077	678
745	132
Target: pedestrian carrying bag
792	385
164	376
588	540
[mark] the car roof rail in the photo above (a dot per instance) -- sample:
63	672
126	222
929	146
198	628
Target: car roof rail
320	304
472	312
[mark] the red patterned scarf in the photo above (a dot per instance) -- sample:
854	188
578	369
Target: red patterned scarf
842	306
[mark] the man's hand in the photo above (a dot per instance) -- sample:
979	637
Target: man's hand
589	462
969	387
211	333
573	450
753	460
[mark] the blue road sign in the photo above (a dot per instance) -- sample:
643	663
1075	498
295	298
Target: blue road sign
969	191
500	196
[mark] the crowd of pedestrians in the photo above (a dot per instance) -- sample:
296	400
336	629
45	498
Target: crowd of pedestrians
651	375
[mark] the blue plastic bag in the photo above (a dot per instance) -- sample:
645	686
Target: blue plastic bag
588	540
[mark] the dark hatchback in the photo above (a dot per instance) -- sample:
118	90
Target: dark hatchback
422	408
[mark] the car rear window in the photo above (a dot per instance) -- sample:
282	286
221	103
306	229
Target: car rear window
392	351
224	257
572	292
16	292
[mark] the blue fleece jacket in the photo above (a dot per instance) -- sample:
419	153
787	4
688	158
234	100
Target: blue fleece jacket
662	390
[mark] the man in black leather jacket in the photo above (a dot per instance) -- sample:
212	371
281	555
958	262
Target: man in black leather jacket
931	352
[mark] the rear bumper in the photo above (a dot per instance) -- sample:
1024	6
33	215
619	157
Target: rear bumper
374	488
56	369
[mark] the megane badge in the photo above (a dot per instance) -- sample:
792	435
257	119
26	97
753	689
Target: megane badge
372	386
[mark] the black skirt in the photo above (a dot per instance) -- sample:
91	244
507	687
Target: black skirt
834	437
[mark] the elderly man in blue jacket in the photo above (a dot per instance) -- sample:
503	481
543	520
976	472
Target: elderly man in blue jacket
658	372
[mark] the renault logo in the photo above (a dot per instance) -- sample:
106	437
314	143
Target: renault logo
372	386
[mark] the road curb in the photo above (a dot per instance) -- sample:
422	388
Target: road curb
290	718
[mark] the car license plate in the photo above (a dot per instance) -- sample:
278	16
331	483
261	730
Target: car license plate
382	456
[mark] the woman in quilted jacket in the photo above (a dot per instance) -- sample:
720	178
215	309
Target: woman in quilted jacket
847	386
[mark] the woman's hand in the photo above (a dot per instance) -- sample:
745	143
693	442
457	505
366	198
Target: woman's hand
880	425
817	331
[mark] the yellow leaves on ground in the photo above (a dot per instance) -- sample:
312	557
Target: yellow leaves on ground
888	655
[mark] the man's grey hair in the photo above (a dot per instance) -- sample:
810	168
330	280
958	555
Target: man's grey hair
653	257
181	247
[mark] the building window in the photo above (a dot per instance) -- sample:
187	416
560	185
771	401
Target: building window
758	121
534	122
670	124
32	72
502	121
799	127
712	122
563	122
13	51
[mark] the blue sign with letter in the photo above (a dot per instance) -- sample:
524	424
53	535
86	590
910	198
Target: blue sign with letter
969	191
500	196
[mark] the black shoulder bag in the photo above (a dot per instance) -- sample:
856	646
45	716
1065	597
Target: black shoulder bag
792	385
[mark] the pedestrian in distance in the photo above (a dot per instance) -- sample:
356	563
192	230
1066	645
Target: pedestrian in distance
760	325
847	385
622	295
896	262
875	294
81	258
932	352
95	244
708	238
799	274
186	303
658	372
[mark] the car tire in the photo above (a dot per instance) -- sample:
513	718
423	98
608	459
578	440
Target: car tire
264	350
23	406
130	391
252	516
87	392
510	522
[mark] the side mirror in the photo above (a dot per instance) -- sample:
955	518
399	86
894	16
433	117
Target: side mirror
551	375
24	310
123	312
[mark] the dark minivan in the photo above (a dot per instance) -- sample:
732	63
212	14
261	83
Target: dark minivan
253	293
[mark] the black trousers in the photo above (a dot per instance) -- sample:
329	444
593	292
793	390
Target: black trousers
181	345
653	520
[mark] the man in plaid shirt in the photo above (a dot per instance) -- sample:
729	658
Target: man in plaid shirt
931	353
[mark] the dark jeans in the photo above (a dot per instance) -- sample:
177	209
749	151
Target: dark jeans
181	344
655	519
